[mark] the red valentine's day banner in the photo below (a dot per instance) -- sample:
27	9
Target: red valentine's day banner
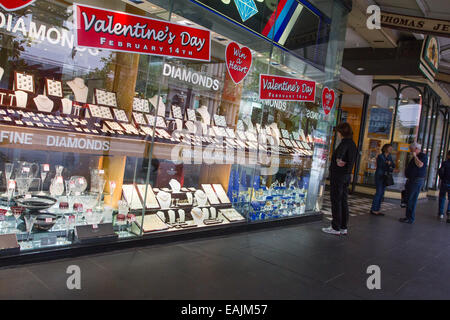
284	88
119	31
13	5
239	61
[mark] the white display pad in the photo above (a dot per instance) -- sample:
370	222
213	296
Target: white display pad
231	215
130	128
150	201
131	196
151	223
220	191
114	125
147	131
211	194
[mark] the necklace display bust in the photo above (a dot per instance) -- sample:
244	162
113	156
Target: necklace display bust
79	89
164	199
175	186
43	103
201	198
21	99
206	117
66	106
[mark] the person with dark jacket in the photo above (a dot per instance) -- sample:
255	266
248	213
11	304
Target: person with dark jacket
415	172
385	165
341	167
444	190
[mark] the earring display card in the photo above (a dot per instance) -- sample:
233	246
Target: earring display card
120	115
191	115
285	133
141	105
150	119
150	202
139	118
160	122
54	88
220	121
176	112
100	112
105	98
131	196
24	82
296	135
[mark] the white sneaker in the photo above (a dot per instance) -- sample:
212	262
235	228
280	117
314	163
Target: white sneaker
441	217
344	232
330	230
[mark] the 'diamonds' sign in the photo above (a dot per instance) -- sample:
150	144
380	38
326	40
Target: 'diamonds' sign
119	31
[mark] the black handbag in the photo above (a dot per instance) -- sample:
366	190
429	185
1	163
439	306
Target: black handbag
388	179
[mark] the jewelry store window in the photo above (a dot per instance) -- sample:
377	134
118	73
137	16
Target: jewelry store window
117	144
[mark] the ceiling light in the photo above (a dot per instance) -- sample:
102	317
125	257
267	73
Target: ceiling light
360	69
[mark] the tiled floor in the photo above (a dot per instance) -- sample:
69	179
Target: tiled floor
295	262
359	205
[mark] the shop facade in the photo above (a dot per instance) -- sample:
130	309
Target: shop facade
128	120
399	112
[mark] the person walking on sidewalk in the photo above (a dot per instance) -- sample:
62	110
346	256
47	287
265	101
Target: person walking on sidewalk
444	189
415	172
342	162
385	166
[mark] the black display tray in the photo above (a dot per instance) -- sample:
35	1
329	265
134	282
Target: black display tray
103	232
9	244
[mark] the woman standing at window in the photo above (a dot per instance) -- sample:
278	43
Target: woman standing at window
385	165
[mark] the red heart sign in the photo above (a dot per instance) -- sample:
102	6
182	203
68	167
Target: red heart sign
239	61
327	100
12	5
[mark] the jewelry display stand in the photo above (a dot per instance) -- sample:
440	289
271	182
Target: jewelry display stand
206	117
79	89
43	103
66	106
158	105
21	99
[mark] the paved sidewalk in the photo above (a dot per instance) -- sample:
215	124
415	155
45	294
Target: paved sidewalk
295	262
